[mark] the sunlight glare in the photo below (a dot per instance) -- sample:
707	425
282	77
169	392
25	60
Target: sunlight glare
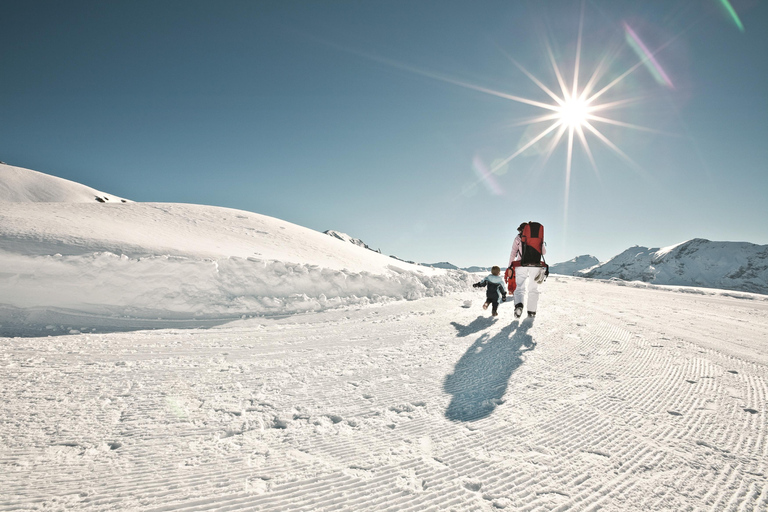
574	112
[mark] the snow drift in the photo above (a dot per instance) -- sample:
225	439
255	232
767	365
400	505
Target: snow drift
144	264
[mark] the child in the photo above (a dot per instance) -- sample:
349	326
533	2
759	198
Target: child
496	292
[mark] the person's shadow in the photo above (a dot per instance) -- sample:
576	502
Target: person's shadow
480	378
477	325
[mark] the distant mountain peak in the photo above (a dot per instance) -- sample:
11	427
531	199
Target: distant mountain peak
575	266
346	238
697	262
442	264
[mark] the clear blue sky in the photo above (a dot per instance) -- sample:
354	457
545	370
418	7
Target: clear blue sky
373	117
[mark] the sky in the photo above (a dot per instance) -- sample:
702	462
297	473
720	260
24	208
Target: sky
407	124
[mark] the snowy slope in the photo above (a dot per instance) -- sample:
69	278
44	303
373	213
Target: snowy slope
698	262
134	263
617	399
574	266
19	185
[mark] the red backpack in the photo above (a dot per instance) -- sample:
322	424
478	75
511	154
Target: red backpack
532	246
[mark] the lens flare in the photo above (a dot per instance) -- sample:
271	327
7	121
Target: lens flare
647	57
576	109
732	13
486	176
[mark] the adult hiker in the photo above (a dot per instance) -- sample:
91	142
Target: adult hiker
527	266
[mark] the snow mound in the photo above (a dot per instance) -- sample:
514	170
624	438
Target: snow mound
19	185
158	264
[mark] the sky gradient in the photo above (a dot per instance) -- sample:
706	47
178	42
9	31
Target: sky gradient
388	120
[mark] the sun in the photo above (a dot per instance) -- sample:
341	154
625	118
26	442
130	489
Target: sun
572	110
574	113
576	109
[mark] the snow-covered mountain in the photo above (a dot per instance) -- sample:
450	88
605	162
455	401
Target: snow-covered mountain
128	263
729	265
574	266
477	269
346	238
441	264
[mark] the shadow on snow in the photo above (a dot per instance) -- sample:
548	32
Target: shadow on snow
480	378
43	322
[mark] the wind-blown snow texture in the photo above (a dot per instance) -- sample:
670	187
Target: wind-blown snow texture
620	397
730	265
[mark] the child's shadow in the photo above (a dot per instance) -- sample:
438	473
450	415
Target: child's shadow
480	378
477	325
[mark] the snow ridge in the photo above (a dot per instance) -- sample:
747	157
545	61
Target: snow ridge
19	185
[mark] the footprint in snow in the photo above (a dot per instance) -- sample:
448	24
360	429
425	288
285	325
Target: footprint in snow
473	485
674	413
733	372
750	411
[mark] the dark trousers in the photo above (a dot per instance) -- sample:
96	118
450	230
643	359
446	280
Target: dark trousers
493	302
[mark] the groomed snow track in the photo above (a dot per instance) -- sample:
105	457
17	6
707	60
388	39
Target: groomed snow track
615	399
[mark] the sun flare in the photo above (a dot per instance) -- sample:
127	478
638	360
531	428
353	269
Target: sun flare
576	109
574	113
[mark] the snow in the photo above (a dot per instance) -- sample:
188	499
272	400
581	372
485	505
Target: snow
129	265
19	185
730	265
355	381
574	266
346	238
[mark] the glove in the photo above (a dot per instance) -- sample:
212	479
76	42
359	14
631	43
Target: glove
476	285
541	276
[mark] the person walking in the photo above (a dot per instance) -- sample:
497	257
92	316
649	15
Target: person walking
495	292
528	267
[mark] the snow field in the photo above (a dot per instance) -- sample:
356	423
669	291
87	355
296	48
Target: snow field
616	398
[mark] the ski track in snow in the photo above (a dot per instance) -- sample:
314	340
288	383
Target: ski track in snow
614	399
